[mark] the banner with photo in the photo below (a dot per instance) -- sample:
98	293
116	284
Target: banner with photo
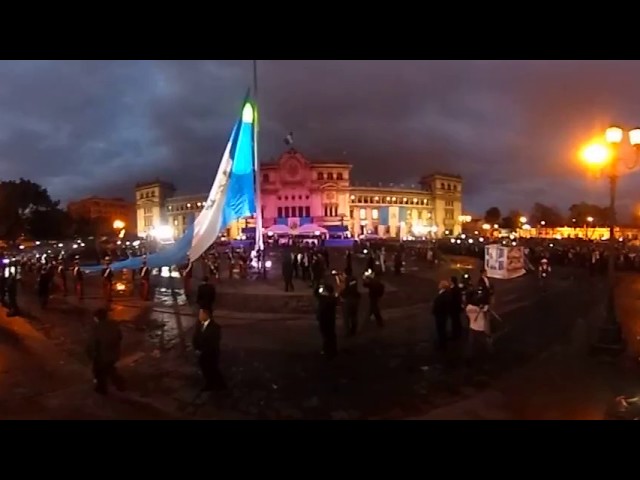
504	262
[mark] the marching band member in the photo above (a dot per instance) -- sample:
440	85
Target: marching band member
145	277
543	271
107	280
78	279
62	275
187	275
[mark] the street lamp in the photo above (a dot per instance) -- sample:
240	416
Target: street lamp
118	225
587	226
523	219
607	157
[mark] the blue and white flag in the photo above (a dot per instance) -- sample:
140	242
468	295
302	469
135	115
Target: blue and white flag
231	198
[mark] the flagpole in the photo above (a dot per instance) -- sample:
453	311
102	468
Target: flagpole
256	128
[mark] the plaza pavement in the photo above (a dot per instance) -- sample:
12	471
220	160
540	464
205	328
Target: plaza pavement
275	371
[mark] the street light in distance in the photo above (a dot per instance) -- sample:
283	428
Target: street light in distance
606	157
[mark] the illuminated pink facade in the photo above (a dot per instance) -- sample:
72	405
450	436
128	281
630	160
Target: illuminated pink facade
296	191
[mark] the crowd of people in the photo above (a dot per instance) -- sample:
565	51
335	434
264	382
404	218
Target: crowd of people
306	266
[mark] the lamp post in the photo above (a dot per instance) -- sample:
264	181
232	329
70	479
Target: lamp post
608	157
587	226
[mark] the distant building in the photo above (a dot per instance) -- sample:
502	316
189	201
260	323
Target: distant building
151	198
108	208
296	191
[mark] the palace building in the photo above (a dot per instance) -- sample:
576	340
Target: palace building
296	191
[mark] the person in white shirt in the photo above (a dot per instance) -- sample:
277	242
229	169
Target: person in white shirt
479	341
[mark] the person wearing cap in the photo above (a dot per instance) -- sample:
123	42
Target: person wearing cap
544	269
103	349
62	275
107	280
145	280
78	279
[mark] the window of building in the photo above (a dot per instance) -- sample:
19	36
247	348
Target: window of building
329	176
448	203
279	197
147	222
360	200
448	186
184	220
442	185
299	197
307	211
265	177
286	212
339	176
279	212
320	176
300	212
306	197
448	214
374	214
175	222
286	197
455	187
363	214
148	211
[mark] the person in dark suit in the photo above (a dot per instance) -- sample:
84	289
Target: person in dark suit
103	349
455	308
440	311
206	295
206	342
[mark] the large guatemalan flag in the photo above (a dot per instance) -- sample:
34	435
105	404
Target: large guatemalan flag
232	197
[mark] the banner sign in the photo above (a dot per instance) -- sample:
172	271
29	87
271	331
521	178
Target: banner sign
504	262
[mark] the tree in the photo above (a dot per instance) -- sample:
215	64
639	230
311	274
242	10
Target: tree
492	215
509	222
27	209
582	211
551	216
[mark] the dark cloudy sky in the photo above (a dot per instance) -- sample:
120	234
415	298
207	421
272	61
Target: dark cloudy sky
511	128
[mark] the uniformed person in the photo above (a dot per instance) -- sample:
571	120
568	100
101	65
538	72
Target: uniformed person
78	279
44	284
145	281
544	270
187	275
376	291
351	303
12	291
62	276
107	280
326	316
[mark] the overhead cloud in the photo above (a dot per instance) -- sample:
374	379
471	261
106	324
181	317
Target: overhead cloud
511	128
